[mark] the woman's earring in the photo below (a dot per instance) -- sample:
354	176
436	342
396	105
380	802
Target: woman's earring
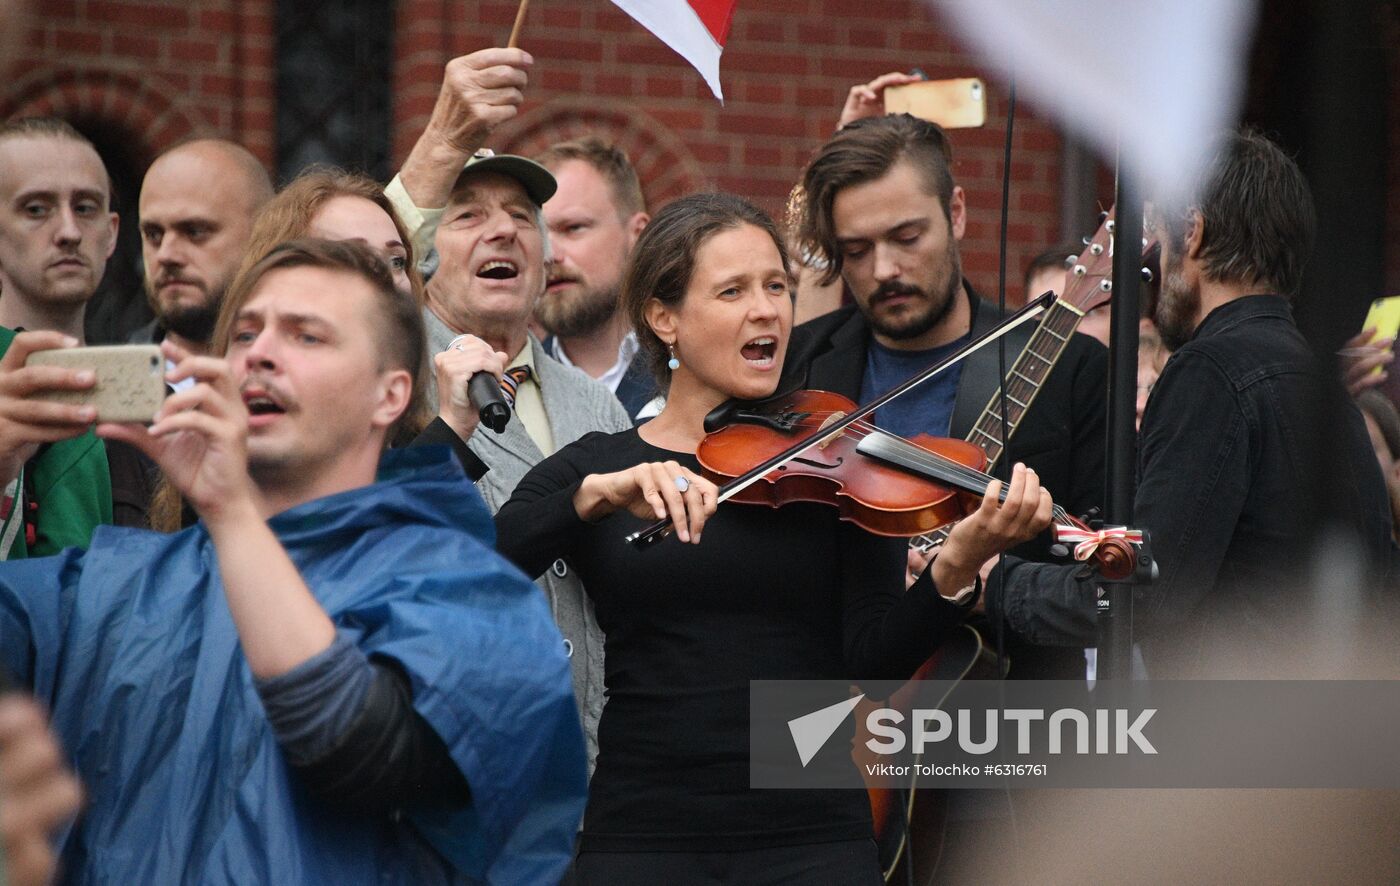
675	362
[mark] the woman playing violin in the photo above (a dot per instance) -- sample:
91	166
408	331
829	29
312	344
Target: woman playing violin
753	593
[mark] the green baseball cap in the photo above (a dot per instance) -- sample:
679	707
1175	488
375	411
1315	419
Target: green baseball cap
537	181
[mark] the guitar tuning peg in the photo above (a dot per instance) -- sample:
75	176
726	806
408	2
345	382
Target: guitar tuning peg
1105	286
1069	261
1147	276
1085	240
1079	270
1096	249
1103	214
1144	244
1109	226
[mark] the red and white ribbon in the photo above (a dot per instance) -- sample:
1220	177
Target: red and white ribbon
1086	541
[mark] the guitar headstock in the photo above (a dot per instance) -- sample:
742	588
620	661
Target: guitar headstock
1089	275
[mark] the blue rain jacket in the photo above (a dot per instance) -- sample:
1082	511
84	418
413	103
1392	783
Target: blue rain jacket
132	647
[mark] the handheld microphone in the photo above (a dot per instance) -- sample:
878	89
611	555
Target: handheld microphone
485	394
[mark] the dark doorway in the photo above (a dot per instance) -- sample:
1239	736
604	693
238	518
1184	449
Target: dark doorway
119	307
334	78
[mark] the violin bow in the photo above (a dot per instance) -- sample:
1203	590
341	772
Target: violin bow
653	533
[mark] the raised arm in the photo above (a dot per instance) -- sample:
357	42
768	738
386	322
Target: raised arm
868	99
479	92
348	725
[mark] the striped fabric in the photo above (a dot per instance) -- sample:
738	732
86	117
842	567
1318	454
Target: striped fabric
12	515
511	382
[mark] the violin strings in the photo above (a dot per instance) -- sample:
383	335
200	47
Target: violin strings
934	460
935	463
948	470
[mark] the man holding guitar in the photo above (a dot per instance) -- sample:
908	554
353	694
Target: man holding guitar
882	209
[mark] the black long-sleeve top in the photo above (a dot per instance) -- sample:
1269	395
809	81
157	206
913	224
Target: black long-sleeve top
786	594
348	728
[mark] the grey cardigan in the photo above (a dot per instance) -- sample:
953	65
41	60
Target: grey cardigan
575	405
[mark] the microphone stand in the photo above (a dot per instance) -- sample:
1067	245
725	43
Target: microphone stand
1115	603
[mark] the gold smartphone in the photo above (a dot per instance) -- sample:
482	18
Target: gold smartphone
953	104
130	380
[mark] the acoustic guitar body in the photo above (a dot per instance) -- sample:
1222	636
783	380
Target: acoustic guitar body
914	814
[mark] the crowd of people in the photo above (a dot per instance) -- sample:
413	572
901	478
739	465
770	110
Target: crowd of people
287	630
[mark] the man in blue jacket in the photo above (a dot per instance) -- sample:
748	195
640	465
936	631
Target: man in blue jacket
329	679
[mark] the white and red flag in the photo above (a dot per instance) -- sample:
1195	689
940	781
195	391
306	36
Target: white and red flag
696	29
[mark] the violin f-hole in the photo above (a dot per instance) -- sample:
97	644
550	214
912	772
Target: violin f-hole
825	466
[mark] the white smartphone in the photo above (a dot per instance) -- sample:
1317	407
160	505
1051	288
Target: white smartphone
130	380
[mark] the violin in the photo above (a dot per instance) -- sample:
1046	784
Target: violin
861	470
815	446
800	436
884	483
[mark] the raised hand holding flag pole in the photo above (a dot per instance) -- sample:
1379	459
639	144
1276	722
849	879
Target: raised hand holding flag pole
697	29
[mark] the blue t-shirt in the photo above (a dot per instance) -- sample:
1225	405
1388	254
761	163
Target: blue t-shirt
925	410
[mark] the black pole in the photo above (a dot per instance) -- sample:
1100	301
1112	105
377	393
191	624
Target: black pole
1116	621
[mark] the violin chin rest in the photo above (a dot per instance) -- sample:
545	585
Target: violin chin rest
721	416
726	413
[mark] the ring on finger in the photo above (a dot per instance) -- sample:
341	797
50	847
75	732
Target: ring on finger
682	484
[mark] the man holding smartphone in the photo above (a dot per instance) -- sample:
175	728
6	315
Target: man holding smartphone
331	678
56	234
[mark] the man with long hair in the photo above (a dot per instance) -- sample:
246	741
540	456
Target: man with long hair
1228	436
883	211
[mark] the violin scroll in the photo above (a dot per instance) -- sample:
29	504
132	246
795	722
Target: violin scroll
1114	550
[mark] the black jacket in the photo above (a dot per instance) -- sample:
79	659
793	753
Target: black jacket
637	387
1062	436
1228	448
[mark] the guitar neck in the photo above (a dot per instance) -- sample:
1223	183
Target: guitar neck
1027	375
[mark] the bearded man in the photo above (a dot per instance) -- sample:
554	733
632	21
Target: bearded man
1228	437
594	219
884	213
198	202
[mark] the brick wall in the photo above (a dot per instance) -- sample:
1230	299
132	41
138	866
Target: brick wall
786	70
155	71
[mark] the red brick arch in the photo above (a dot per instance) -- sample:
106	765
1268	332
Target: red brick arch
664	164
157	119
